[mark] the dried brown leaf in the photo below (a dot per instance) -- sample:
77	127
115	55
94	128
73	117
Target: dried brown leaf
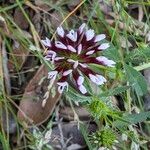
42	5
20	19
31	103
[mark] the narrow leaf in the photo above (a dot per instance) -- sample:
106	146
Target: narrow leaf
84	132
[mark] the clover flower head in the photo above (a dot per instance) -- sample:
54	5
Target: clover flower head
105	137
71	55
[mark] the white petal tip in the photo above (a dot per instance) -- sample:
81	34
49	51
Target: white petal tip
72	35
61	86
99	37
104	46
65	73
71	48
52	74
59	44
106	61
46	42
60	31
89	34
80	80
82	89
90	52
79	48
82	27
97	79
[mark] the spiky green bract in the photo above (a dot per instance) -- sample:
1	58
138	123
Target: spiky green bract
104	138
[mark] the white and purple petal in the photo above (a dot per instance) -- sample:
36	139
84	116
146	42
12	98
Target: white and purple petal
75	65
60	31
46	42
79	48
82	89
99	37
90	52
97	79
59	44
106	61
80	80
71	48
72	35
50	56
82	28
83	65
103	46
71	60
52	74
59	58
62	86
67	72
89	34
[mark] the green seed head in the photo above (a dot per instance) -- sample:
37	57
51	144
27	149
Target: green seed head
105	137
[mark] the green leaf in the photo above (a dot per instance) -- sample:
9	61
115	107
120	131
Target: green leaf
112	53
114	91
73	95
84	132
136	80
138	55
132	119
4	142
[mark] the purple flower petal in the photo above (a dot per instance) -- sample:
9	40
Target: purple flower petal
46	42
71	48
62	86
79	48
72	54
60	31
59	44
82	27
90	52
97	79
89	34
80	80
103	46
82	89
106	61
67	72
72	35
99	37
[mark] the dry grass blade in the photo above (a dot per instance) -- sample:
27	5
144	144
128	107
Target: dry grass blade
4	73
5	69
1	70
76	8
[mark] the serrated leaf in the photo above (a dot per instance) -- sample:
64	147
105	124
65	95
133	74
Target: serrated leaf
114	91
112	53
136	80
138	55
73	95
132	119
